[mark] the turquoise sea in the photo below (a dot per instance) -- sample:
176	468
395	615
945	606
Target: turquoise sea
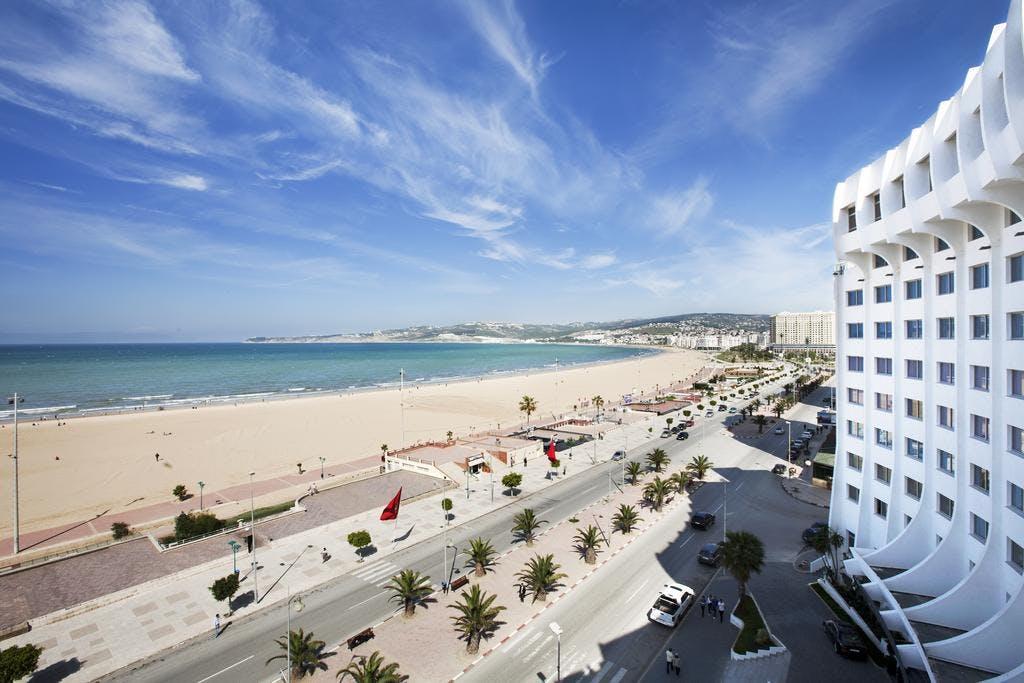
90	378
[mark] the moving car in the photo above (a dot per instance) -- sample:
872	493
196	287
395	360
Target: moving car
702	520
846	640
671	603
618	455
710	413
812	531
710	554
779	469
779	430
732	411
682	436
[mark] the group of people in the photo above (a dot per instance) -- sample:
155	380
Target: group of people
709	605
672	661
312	490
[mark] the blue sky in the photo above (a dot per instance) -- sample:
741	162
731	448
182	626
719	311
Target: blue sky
211	171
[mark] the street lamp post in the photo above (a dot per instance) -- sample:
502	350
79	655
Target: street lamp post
234	551
789	442
322	460
201	485
252	530
15	400
557	630
288	636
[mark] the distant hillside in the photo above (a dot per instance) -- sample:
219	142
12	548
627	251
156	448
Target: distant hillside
687	323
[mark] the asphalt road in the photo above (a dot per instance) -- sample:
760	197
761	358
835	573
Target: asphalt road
348	604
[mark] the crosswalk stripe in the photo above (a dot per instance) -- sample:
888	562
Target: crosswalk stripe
602	673
515	641
536	650
619	676
372	568
377	572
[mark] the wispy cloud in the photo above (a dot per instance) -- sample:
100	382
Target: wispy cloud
504	32
671	213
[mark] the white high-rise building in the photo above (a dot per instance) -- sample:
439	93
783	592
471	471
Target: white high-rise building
928	490
814	330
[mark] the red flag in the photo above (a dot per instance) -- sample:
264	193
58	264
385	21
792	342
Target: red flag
391	511
551	450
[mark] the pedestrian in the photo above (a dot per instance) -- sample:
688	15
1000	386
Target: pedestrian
324	554
158	457
670	657
444	587
703	605
563	469
721	611
675	662
216	625
524	461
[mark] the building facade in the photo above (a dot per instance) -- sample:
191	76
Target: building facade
928	488
814	330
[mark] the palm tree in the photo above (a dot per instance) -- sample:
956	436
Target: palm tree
383	449
626	519
657	459
681	480
481	555
306	653
372	669
409	587
657	491
587	540
827	542
478	617
760	421
598	402
778	407
699	466
527	405
541	576
525	525
635	470
742	556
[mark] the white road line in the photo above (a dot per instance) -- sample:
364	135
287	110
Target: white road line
685	542
372	569
515	641
532	639
368	599
639	588
227	669
602	673
739	487
536	650
619	676
377	575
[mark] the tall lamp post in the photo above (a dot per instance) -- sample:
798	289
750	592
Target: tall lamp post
789	442
234	545
322	461
201	485
298	605
557	630
252	530
14	401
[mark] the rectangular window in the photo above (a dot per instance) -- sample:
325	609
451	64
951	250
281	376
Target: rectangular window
945	283
915	369
851	218
854	461
915	449
851	539
945	506
855	396
855	297
883	330
915	409
947	328
883	437
1015	439
1015	383
979	528
1015	555
1016	325
973	233
913	488
979	327
979	427
881	508
946	373
945	417
855	330
1015	268
946	461
915	329
854	428
855	363
979	276
883	473
883	401
883	366
853	493
1015	497
876	202
913	289
909	254
979	377
980	478
883	294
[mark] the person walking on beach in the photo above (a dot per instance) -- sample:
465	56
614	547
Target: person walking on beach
216	625
721	611
158	457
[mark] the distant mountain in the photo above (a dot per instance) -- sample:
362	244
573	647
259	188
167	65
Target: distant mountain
686	323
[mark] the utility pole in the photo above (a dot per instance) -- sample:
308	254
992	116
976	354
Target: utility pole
252	530
15	400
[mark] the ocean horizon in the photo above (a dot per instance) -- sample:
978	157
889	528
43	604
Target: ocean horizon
84	379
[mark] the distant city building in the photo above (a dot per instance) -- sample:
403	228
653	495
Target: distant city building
813	331
928	488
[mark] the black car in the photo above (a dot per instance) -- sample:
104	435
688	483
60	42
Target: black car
710	554
846	640
779	469
702	520
722	408
812	531
682	436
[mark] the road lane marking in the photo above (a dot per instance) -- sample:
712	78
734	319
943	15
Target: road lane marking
640	588
227	669
368	599
535	651
602	673
619	676
739	487
516	641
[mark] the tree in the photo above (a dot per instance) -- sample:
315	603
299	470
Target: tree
180	492
225	588
656	492
657	459
668	422
359	540
598	402
372	669
450	435
446	505
191	524
383	449
18	661
587	540
699	465
481	555
478	617
541	576
681	481
626	519
828	542
306	653
527	405
120	530
635	470
700	406
687	413
409	587
760	421
511	481
742	556
525	525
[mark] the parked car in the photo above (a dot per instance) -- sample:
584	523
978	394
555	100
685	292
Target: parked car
618	455
710	413
796	445
779	430
710	554
807	435
675	429
846	640
812	531
732	411
688	423
722	408
702	520
671	603
682	436
665	433
779	469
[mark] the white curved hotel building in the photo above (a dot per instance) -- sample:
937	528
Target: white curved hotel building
929	476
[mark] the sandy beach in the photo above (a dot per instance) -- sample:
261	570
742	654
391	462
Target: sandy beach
107	462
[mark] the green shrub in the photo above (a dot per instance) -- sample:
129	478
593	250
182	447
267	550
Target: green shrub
180	492
225	588
18	661
120	530
191	524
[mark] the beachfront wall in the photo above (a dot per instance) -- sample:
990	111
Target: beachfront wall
929	297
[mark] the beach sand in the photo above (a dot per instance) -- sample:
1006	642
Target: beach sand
107	462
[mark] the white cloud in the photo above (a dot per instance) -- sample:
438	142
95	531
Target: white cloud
671	213
185	182
504	31
598	261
